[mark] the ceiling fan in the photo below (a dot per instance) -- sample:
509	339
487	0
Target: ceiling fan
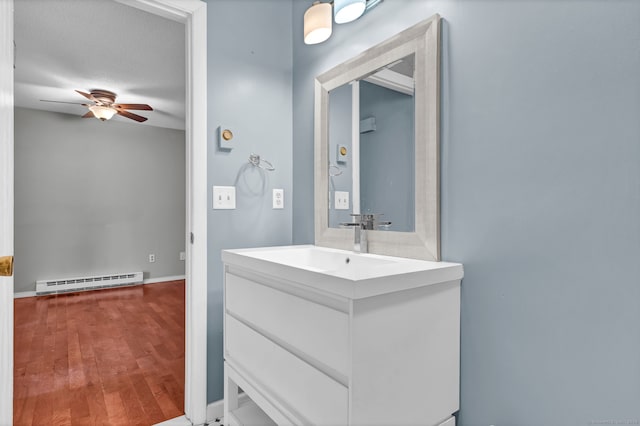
104	106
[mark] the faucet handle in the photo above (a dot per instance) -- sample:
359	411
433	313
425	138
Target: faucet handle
366	215
371	220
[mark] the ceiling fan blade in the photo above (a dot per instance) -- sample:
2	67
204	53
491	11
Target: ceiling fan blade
88	115
131	115
87	95
134	107
61	102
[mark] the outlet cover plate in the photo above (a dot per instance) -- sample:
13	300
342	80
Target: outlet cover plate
278	198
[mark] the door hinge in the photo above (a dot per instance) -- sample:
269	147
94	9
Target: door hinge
6	266
191	238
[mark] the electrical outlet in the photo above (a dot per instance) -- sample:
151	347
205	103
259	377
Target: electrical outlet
183	255
224	197
342	200
278	198
152	258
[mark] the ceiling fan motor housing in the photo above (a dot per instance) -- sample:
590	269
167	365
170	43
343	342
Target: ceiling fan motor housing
103	96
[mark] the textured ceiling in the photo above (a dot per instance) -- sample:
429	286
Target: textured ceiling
64	45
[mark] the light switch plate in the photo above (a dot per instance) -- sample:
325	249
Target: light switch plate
278	198
224	197
342	200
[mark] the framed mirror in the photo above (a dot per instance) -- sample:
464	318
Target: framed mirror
376	135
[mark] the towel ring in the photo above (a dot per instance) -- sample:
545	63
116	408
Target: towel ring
256	161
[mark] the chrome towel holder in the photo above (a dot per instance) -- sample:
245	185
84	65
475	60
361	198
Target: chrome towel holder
262	163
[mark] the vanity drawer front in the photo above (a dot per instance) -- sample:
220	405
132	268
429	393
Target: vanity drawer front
312	331
311	394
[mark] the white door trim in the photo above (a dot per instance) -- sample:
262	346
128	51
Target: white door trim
193	13
6	209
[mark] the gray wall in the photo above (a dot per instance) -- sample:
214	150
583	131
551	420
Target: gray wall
387	156
540	196
249	83
94	198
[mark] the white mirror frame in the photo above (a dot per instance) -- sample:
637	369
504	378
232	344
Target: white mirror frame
423	40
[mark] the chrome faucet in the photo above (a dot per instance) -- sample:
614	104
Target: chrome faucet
362	224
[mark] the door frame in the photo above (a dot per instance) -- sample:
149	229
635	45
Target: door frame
6	209
193	14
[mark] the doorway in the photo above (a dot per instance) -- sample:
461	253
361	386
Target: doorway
192	13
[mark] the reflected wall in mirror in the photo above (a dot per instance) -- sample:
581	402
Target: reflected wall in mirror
376	137
379	175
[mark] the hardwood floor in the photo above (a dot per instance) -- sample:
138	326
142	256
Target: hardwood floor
105	357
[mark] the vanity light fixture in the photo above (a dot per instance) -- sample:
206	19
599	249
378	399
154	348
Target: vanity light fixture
317	23
318	18
348	10
103	113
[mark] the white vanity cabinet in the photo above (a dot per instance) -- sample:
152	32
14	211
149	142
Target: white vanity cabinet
366	345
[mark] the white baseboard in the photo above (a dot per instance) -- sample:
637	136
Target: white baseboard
22	294
215	410
163	279
178	421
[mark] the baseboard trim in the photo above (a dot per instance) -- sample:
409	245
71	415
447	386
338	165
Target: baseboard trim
215	410
178	421
22	294
163	279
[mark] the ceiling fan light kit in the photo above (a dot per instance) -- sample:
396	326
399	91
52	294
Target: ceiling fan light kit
102	113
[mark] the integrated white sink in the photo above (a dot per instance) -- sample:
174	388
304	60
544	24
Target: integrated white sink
342	272
320	259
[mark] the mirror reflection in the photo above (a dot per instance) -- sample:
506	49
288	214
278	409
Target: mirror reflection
372	169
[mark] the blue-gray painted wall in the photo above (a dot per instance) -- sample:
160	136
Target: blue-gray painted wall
540	195
249	92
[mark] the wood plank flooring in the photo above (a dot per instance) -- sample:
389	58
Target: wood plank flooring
104	357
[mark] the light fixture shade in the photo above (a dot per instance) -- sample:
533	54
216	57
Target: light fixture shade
317	23
348	10
101	112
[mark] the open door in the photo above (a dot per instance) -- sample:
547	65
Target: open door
194	15
6	212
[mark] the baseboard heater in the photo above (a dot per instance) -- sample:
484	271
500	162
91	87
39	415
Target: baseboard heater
68	285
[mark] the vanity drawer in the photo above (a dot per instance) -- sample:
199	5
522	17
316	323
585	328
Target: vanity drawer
308	392
314	332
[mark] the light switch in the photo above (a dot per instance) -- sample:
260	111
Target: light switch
278	198
342	200
224	197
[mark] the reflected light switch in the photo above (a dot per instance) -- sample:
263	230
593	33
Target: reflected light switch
342	200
